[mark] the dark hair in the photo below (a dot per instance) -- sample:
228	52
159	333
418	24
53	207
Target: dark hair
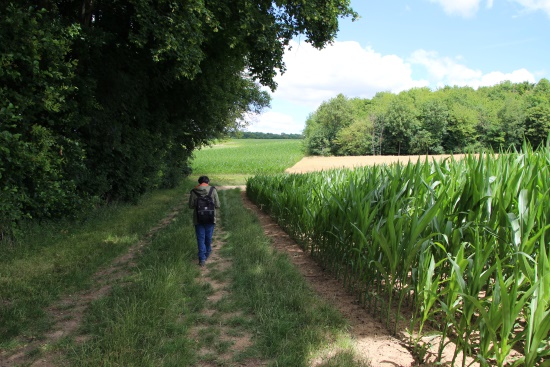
204	179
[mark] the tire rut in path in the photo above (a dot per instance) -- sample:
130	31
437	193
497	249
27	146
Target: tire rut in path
68	312
229	340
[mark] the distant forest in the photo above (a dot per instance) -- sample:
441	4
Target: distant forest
422	121
260	135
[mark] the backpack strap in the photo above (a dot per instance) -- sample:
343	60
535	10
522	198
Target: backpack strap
211	191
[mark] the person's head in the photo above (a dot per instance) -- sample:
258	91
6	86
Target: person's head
204	179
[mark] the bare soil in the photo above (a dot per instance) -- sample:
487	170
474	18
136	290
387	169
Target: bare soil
310	164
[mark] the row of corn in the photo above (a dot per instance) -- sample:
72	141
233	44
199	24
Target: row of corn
456	248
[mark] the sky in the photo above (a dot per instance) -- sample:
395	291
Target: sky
397	45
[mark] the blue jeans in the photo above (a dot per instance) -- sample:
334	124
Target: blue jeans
204	240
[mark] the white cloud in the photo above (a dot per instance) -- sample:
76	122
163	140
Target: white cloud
465	8
517	76
276	123
314	76
468	8
534	5
446	71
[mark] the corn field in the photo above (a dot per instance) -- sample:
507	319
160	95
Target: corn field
456	248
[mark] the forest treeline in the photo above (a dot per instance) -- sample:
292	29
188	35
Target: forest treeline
106	100
422	121
261	135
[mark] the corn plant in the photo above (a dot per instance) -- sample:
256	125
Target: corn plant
463	242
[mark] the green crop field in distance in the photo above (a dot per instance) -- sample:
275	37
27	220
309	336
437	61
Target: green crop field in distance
232	162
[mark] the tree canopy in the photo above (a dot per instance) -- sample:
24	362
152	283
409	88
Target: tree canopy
261	135
421	121
103	100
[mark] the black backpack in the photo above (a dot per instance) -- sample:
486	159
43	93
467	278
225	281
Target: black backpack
205	208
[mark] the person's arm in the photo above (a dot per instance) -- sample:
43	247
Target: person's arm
216	198
192	199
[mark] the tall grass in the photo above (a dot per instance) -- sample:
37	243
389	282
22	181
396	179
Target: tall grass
462	244
57	257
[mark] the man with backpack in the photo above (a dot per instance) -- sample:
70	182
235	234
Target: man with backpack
204	200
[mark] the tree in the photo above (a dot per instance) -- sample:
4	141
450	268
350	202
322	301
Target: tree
423	143
323	126
434	119
512	122
355	139
39	160
400	124
116	95
537	121
537	124
419	121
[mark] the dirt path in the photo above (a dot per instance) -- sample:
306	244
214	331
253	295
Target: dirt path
371	339
67	314
230	340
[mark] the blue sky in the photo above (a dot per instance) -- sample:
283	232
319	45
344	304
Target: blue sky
401	44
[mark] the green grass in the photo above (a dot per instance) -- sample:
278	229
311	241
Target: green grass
291	322
233	161
146	322
54	258
147	318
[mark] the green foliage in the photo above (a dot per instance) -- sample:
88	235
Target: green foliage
463	243
104	101
37	160
434	119
323	127
400	122
355	138
421	121
537	124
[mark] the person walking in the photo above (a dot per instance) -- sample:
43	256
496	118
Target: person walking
204	200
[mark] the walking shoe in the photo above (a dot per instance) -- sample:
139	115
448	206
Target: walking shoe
201	263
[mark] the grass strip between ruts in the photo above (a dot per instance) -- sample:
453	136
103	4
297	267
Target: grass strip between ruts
53	258
292	324
147	320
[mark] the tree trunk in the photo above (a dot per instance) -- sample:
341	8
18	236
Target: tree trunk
86	14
